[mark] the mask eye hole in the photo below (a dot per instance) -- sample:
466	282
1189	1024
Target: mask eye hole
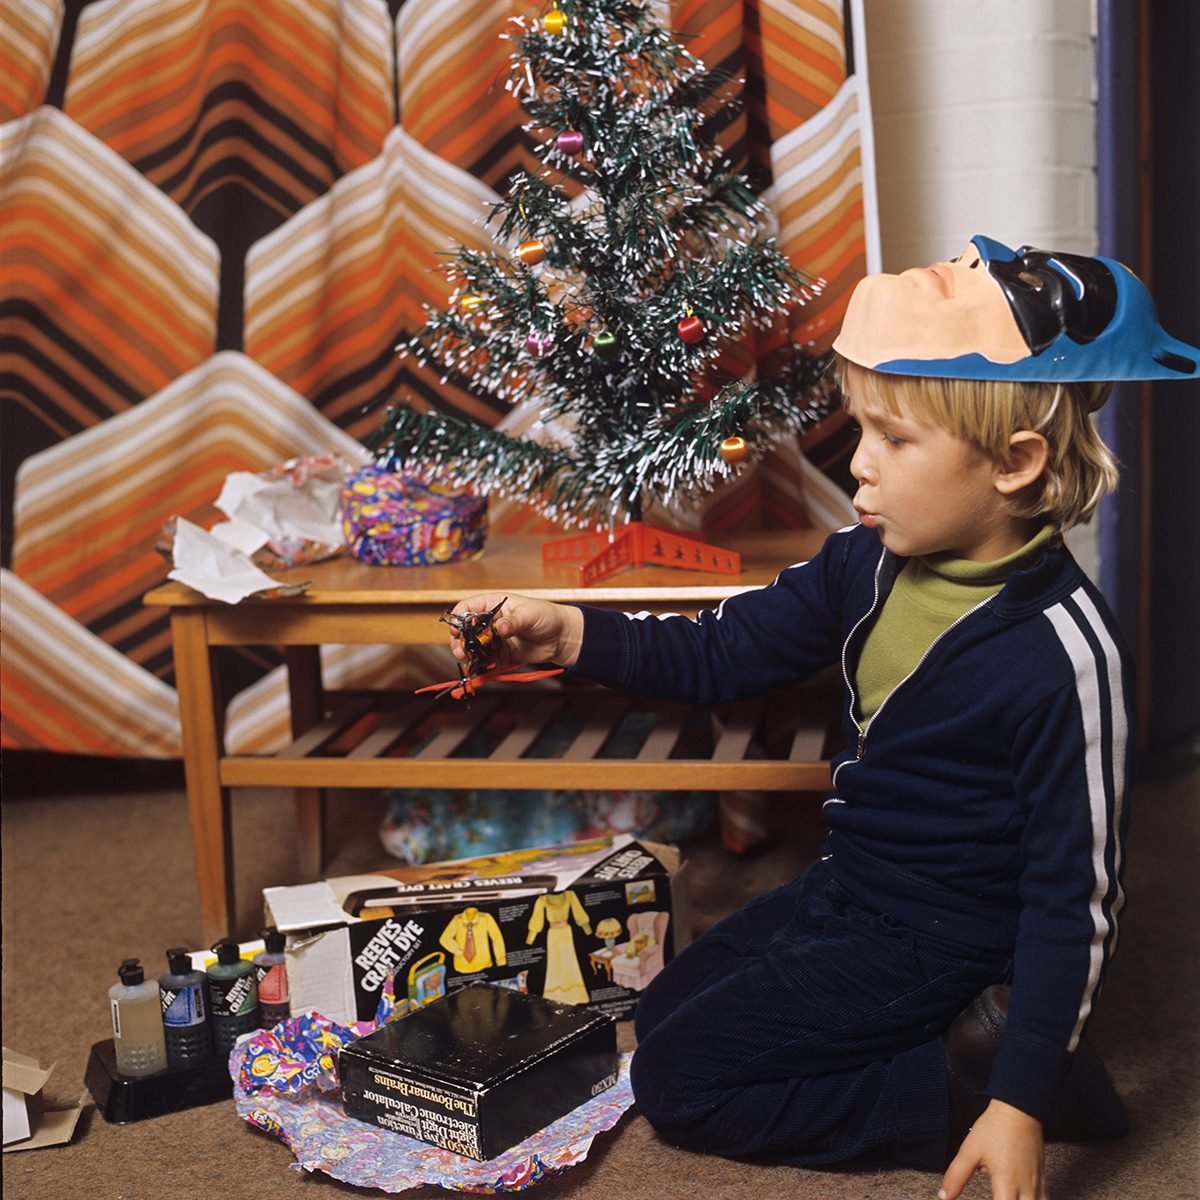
1034	281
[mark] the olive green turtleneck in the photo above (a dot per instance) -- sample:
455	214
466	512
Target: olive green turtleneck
929	595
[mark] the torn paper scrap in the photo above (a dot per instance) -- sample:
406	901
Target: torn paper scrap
216	569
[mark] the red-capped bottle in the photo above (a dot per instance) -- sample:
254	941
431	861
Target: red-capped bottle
270	969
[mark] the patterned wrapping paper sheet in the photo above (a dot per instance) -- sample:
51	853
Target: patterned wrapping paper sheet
313	1125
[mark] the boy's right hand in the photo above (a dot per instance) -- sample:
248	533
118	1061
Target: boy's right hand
1008	1145
533	631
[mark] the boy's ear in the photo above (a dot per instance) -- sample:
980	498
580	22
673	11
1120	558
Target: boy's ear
1028	453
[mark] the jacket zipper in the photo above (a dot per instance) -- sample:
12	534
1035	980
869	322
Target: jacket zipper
850	690
861	742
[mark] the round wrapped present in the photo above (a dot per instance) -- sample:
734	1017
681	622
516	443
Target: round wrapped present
392	520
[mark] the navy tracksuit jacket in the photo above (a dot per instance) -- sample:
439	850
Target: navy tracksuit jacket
985	806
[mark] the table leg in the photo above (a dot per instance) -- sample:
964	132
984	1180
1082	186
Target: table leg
307	695
202	720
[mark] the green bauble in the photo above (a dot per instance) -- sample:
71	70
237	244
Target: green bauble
605	344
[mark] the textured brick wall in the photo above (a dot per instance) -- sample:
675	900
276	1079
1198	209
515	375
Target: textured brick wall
984	123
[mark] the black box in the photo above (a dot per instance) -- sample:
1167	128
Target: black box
479	1071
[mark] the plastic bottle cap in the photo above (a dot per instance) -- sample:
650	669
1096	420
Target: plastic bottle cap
130	972
178	960
273	939
227	951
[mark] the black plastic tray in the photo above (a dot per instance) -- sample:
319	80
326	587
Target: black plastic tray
122	1099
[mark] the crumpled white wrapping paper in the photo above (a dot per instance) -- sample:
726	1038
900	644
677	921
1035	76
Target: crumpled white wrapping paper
215	568
280	507
291	514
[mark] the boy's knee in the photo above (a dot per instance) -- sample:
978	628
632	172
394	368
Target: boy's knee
645	1018
670	1098
657	1003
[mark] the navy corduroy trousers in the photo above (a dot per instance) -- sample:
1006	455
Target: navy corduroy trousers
806	1029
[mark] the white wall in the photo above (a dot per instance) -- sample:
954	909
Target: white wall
984	114
985	122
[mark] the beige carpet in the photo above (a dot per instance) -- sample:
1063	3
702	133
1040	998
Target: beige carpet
97	867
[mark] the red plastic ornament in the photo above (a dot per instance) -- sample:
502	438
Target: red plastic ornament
734	450
532	252
538	344
555	22
691	329
570	141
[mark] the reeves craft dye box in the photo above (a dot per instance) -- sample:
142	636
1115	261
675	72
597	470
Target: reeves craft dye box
480	1070
587	923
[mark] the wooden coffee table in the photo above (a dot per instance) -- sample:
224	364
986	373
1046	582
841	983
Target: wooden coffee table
382	740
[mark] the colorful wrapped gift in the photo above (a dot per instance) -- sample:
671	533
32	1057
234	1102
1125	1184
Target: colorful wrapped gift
399	521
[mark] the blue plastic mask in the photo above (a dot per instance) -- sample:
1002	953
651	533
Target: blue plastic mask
1080	318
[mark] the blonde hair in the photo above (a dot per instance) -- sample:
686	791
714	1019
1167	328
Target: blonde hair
1080	468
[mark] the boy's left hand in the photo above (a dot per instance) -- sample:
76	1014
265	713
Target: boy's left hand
1008	1145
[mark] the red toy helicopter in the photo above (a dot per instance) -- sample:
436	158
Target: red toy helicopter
482	645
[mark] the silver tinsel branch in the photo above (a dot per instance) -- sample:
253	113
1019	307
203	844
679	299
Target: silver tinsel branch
633	231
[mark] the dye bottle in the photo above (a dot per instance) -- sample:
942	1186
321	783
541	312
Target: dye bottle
137	1022
270	970
185	1020
232	997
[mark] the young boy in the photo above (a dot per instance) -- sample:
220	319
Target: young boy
977	811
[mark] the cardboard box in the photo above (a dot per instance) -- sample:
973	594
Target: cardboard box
584	923
480	1070
28	1125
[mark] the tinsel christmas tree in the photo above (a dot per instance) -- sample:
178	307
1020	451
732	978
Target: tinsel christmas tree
638	255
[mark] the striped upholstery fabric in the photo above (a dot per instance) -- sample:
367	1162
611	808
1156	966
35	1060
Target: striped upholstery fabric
217	217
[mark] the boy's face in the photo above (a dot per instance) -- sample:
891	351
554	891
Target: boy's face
927	491
935	312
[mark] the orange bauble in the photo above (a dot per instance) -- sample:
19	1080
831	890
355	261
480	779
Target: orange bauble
532	252
734	450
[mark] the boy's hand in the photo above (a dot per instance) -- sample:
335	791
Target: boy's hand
1007	1144
533	631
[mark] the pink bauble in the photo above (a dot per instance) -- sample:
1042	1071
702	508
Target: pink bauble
570	141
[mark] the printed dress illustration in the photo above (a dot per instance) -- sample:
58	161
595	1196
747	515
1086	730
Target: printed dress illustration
564	981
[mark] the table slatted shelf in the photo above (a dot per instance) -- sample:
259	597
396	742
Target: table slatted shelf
544	736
